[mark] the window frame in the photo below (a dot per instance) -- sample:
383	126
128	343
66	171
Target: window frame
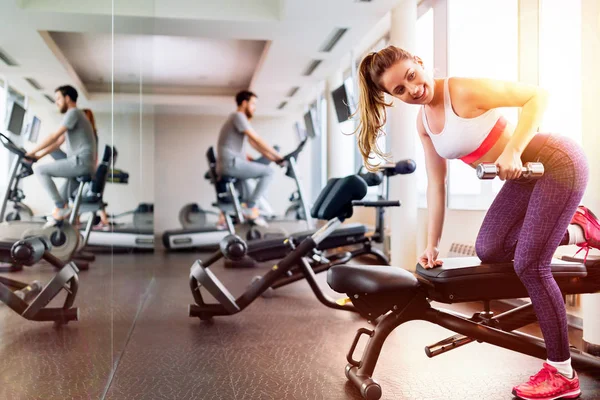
488	190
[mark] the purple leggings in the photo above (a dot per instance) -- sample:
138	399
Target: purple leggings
528	220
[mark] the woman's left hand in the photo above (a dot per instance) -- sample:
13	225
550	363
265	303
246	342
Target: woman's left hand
509	165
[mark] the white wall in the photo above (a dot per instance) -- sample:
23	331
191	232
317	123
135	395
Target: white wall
181	144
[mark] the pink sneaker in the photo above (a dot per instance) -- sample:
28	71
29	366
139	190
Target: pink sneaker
548	384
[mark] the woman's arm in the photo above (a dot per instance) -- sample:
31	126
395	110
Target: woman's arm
437	169
486	94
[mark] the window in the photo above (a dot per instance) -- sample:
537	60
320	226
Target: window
561	79
473	54
11	95
424	50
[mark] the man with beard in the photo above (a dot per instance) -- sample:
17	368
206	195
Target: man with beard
78	133
232	159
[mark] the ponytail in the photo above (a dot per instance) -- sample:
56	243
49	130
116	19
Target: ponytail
371	103
371	110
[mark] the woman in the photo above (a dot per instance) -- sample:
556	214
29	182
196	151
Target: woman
458	119
104	222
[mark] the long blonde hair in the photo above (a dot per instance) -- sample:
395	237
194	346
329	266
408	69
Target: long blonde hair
371	102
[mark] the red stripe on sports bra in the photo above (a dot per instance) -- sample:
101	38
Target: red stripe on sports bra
488	143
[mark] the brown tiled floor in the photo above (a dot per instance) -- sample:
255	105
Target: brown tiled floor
135	341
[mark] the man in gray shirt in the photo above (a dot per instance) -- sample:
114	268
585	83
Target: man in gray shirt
78	133
232	159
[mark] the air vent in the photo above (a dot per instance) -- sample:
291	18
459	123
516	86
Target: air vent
282	105
34	83
333	39
311	67
8	60
50	99
293	91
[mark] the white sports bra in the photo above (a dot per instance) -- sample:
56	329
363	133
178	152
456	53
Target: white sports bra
461	136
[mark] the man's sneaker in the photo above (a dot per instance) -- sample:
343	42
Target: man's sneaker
260	221
548	384
253	215
61	213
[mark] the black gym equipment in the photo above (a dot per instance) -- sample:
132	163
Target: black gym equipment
334	204
15	294
354	235
390	296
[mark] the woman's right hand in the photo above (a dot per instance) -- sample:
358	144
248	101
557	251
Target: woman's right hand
429	258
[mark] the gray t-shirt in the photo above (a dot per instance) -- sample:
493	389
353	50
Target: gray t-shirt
80	137
232	140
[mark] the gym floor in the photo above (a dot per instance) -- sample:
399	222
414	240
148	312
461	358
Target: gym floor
134	340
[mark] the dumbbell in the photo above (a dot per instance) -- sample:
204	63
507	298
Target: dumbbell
490	170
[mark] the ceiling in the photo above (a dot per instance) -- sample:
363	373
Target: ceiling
166	64
183	54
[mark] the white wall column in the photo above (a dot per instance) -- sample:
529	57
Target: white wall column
402	134
590	22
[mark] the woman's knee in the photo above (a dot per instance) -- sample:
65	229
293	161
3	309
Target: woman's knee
489	250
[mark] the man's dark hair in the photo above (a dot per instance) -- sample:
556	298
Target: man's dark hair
244	95
68	90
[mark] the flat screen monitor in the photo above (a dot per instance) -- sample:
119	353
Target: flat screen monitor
300	132
15	119
34	129
341	103
311	127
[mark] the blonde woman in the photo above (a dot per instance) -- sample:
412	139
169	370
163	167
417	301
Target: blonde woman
459	119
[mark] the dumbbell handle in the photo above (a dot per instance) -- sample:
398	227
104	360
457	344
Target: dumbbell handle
530	170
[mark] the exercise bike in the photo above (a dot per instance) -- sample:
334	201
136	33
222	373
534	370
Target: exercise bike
19	211
193	216
228	197
62	235
228	202
390	296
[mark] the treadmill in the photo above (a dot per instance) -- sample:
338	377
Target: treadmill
135	236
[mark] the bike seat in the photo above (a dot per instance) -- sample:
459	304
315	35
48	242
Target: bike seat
370	279
84	178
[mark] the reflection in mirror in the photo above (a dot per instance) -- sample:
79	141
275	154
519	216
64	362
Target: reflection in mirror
52	175
76	180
